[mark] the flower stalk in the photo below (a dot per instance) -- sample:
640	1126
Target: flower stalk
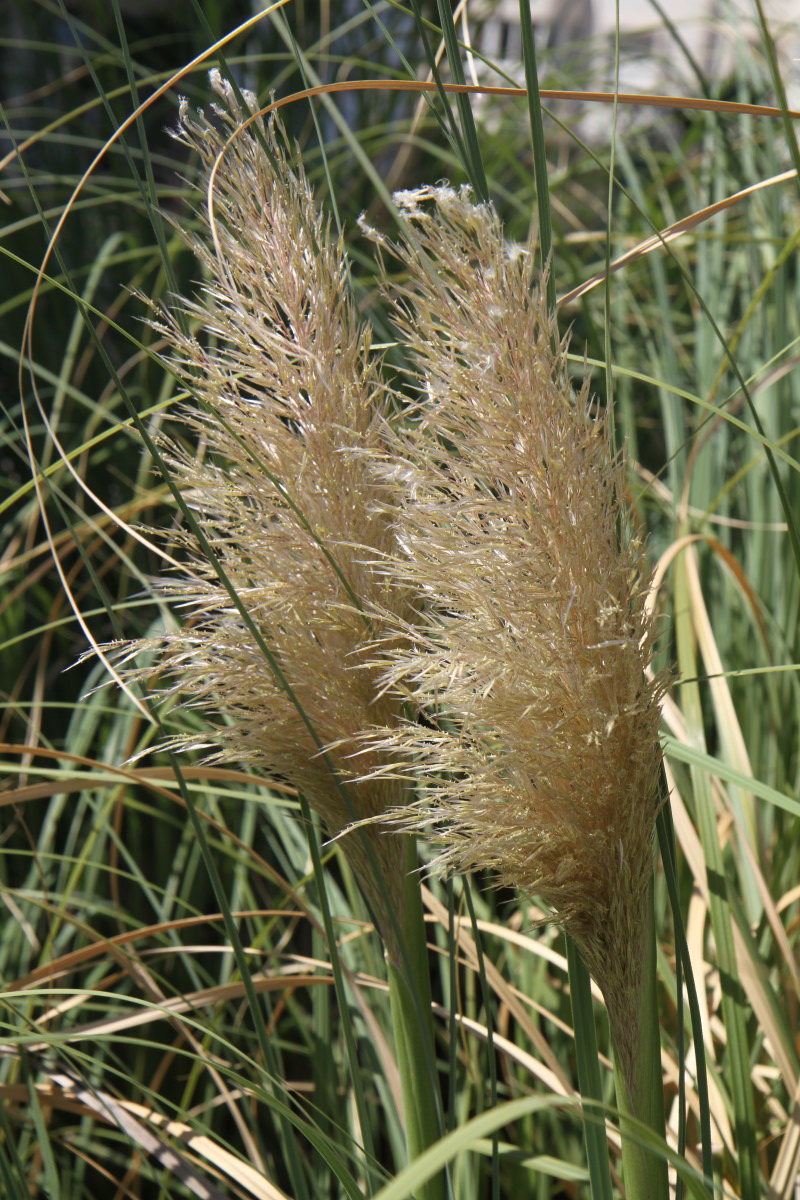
641	1094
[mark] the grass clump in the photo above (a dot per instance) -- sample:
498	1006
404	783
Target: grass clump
392	593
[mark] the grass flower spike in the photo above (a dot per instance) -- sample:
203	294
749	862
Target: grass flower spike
289	390
541	757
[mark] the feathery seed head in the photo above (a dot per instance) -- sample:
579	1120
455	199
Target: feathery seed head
291	407
531	649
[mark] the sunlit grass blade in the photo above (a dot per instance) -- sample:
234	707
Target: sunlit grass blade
733	1000
666	841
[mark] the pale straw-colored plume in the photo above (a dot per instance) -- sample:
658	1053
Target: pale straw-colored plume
478	567
539	758
275	470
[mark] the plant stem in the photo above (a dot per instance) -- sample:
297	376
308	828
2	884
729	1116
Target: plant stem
594	1133
410	997
640	1091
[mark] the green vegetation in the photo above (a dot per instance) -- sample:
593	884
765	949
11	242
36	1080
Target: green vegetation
197	997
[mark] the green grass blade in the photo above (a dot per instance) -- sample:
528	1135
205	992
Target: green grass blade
666	841
473	160
733	999
539	146
589	1080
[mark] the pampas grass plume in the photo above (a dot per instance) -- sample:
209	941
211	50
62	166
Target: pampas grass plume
540	756
290	400
478	567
